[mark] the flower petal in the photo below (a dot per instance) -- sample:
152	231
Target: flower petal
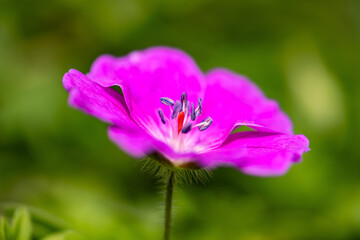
103	70
232	100
132	140
138	143
257	153
88	96
146	76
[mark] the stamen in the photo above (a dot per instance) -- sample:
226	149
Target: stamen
161	114
199	107
186	110
205	124
192	113
183	98
167	101
187	127
181	121
176	110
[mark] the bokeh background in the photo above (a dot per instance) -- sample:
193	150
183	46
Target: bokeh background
58	161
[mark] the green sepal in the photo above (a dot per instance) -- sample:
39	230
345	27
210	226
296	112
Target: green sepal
159	168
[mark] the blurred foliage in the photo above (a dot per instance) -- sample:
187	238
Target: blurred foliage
305	54
23	226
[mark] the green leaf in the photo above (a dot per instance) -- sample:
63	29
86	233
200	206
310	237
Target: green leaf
4	229
21	227
65	235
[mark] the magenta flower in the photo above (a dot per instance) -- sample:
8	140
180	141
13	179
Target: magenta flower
171	108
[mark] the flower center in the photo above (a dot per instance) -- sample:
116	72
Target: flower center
183	120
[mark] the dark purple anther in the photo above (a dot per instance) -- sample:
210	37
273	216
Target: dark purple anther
167	101
177	109
161	114
187	127
199	107
205	123
192	113
187	105
183	98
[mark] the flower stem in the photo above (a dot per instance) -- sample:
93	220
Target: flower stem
168	204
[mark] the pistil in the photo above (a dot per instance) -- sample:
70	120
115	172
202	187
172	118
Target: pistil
181	118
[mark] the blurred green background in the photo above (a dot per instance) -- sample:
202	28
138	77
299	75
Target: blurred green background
305	54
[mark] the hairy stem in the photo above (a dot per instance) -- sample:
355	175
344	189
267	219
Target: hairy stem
168	204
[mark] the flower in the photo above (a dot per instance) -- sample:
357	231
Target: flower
170	108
